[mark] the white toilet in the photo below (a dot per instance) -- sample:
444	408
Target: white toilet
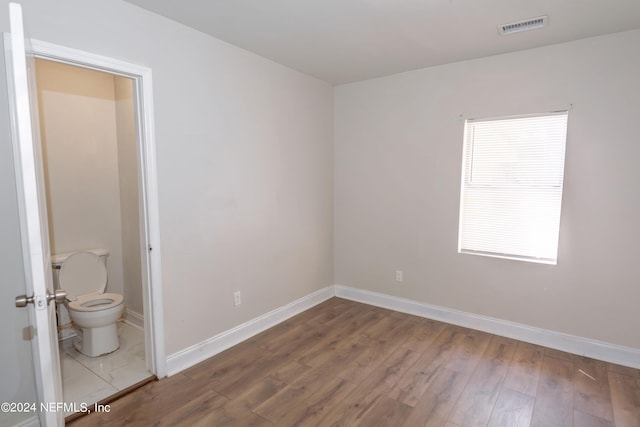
83	275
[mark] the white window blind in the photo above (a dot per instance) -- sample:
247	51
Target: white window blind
512	175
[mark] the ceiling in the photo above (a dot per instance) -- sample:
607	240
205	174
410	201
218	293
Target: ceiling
342	41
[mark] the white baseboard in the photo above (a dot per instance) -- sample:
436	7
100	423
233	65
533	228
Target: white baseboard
134	319
572	344
210	347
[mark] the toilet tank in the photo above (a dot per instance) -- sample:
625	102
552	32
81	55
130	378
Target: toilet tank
58	259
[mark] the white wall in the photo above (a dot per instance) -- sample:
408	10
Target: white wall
245	161
398	153
80	149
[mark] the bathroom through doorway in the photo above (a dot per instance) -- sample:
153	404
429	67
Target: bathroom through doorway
91	157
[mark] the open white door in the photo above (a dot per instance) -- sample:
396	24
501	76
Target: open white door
34	230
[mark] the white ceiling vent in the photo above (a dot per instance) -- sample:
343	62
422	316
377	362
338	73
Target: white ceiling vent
527	24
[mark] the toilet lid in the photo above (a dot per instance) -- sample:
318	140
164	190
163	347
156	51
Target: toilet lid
83	273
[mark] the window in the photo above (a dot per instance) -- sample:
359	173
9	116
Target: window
512	175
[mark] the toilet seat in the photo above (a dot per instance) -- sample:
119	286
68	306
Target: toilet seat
95	302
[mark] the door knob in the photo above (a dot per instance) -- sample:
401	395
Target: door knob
23	300
58	296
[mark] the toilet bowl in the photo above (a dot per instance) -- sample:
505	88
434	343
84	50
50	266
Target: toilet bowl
83	275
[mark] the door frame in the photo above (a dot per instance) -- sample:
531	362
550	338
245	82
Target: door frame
147	185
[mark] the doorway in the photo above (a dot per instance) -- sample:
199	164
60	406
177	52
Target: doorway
89	154
137	186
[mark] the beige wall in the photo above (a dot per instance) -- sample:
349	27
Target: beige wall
128	181
88	132
79	141
397	184
245	164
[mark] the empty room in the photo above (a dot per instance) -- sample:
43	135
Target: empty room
320	213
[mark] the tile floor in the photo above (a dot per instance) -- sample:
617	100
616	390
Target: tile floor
91	379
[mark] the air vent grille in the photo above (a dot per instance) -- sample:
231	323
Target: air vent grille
528	24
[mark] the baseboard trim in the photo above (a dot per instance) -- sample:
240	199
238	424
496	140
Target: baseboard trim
607	352
572	344
134	319
190	356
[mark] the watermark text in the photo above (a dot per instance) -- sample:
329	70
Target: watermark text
66	407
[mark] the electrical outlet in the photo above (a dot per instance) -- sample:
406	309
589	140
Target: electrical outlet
237	299
398	275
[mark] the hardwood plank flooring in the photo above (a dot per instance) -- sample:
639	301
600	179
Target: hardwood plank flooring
347	364
524	371
554	397
512	409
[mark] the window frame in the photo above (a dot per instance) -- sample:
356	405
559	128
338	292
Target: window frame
466	186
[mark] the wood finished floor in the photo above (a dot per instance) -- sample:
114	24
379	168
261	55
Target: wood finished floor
343	363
